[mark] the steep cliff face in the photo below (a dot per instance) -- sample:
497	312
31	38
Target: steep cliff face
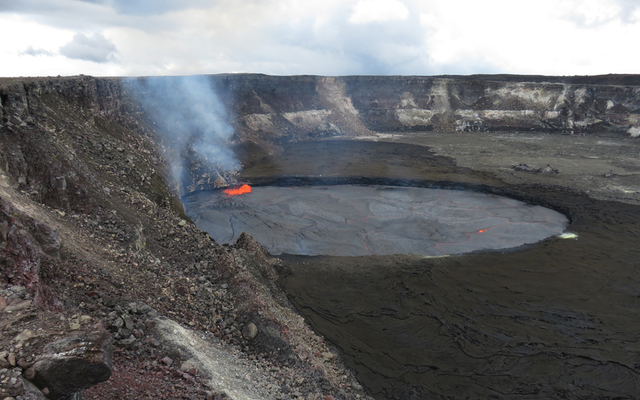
57	133
318	106
479	105
277	107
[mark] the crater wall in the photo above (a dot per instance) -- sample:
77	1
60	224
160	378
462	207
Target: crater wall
279	109
291	107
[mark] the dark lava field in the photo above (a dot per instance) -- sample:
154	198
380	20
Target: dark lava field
556	319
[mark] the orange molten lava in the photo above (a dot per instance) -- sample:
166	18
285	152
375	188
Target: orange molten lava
482	230
238	190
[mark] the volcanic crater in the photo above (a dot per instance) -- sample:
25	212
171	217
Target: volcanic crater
547	320
555	318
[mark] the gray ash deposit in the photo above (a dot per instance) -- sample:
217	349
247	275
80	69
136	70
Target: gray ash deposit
356	220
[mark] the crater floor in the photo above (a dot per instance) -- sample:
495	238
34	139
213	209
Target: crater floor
354	220
555	320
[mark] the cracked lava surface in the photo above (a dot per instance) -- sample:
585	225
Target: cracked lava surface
352	220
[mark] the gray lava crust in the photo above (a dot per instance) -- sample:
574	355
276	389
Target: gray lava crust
350	220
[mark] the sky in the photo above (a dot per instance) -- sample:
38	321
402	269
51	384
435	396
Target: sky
318	37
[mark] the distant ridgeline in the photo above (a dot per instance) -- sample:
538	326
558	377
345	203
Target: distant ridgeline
277	107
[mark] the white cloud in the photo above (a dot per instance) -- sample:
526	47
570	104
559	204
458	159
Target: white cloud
30	51
542	37
378	11
329	37
594	12
96	48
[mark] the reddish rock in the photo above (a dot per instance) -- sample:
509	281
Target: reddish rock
23	363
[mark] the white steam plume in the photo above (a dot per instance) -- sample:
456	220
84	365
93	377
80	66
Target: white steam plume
190	117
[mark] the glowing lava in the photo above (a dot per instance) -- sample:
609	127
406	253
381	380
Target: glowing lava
238	190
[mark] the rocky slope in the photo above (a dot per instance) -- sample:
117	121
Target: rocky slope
101	272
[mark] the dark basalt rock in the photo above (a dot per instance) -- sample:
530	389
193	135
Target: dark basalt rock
48	238
74	363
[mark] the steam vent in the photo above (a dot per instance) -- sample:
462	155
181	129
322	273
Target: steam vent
248	236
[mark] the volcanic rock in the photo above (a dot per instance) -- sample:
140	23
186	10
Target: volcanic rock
48	238
250	331
29	373
74	363
29	390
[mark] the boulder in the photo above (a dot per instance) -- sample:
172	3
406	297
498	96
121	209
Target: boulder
250	331
48	238
74	363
